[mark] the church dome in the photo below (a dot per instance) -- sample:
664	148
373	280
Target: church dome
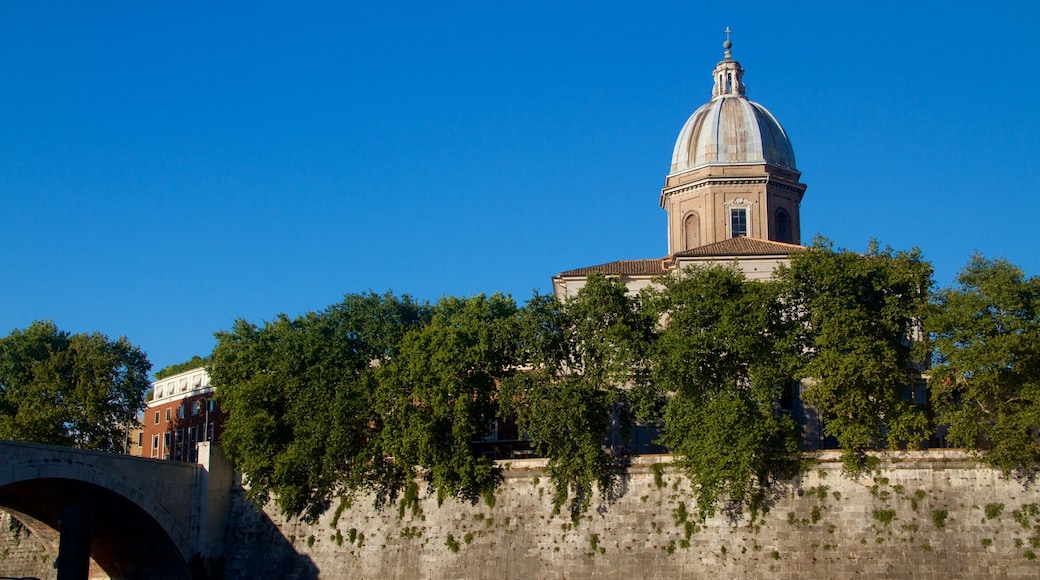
730	129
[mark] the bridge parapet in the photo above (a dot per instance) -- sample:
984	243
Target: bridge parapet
134	499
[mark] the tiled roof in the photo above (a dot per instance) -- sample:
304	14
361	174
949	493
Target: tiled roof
650	267
741	246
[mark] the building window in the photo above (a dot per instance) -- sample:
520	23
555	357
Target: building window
209	431
212	405
196	406
738	222
783	227
155	445
180	411
168	414
157	417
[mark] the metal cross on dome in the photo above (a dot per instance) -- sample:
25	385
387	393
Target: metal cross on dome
727	32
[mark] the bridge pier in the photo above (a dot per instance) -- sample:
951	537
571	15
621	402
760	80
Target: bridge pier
77	522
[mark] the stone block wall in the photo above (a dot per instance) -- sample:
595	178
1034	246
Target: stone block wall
21	553
935	514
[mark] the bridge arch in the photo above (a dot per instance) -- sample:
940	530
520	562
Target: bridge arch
143	510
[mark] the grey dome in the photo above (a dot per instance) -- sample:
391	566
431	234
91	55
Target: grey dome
730	129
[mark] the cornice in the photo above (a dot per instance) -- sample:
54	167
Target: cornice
731	182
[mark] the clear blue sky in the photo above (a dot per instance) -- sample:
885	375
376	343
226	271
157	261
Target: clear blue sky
166	168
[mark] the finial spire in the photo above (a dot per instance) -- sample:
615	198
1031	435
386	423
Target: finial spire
729	77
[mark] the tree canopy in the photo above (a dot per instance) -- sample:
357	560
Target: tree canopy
194	362
986	381
859	318
725	353
77	390
586	361
439	394
377	390
301	396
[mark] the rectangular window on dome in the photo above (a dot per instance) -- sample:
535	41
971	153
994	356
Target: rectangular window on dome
738	222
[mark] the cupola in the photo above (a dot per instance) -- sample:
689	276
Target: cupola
733	171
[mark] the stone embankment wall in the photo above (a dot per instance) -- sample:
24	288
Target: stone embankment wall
933	514
21	553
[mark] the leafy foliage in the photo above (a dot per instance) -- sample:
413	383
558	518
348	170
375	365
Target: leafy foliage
301	400
859	315
986	381
588	360
439	393
77	390
195	362
376	391
725	353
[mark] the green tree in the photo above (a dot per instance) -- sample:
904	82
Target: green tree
986	381
439	395
587	362
195	362
78	390
860	317
301	400
725	352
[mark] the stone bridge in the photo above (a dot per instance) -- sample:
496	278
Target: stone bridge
146	518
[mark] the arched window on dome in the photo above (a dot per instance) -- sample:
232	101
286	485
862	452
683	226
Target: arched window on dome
783	227
692	231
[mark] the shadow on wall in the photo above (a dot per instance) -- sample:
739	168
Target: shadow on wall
256	548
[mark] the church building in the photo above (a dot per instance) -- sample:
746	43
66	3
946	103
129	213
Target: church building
732	195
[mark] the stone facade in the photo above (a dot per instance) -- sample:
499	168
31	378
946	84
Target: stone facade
732	177
699	203
933	514
732	158
22	554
